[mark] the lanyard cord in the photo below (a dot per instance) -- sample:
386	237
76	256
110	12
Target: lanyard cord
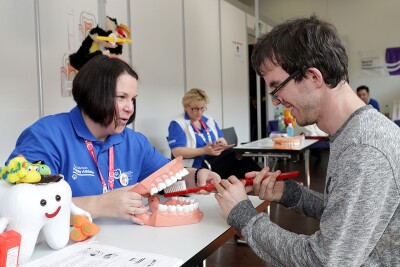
202	135
89	146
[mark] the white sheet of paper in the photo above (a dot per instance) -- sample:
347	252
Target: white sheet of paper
93	254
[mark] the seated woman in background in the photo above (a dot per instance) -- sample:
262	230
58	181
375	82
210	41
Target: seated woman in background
199	140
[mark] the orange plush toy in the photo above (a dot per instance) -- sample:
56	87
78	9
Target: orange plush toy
83	228
288	118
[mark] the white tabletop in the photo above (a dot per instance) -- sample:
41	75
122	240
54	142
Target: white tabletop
178	241
268	143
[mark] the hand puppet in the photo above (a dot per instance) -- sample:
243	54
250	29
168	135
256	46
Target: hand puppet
91	46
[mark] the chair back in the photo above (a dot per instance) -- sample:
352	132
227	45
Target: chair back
230	135
272	126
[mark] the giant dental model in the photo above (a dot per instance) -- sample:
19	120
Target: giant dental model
31	208
175	211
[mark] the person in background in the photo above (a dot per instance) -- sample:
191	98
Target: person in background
359	211
92	140
199	140
363	94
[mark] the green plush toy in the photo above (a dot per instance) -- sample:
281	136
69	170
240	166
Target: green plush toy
19	170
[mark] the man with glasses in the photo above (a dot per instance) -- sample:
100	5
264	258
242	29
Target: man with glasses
305	67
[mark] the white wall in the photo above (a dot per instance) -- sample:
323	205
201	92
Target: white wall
203	53
158	58
18	73
235	80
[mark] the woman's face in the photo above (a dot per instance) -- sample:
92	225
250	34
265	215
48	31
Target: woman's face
125	94
195	110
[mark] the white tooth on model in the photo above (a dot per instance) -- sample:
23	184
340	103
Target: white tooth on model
184	172
186	208
172	208
175	198
168	182
179	208
196	205
161	186
178	175
192	200
162	207
174	179
191	208
153	191
181	199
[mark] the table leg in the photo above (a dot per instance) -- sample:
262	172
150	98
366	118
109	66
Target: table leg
307	167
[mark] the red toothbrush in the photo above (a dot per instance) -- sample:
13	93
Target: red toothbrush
211	187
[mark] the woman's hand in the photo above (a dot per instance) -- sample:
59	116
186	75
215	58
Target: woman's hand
212	150
221	141
119	203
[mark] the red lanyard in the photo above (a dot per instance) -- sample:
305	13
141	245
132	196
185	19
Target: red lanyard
90	148
202	135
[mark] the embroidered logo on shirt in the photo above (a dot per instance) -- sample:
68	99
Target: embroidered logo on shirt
81	171
123	177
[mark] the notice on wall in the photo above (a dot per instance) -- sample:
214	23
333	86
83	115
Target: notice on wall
372	63
382	62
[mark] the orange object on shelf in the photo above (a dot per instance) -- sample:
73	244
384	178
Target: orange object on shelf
288	118
10	242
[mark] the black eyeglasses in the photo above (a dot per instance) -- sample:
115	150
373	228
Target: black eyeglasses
280	86
199	109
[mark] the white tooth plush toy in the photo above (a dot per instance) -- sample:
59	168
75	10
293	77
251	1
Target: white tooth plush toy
31	208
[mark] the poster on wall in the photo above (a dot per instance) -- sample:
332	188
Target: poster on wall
393	60
87	21
380	63
372	63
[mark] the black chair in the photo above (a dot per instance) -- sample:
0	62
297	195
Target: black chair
230	135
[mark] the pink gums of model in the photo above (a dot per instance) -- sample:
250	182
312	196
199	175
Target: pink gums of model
175	211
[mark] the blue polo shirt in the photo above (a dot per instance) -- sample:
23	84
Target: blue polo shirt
59	140
176	133
374	103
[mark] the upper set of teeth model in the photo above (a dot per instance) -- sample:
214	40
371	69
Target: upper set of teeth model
169	181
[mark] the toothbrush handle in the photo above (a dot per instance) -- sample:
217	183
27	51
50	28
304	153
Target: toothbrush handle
211	187
248	181
281	177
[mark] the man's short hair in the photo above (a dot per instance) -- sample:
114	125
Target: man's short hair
302	43
363	87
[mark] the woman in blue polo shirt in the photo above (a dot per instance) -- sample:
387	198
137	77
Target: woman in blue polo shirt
92	140
198	139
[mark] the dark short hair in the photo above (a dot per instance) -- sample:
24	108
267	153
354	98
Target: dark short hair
363	87
94	88
302	43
